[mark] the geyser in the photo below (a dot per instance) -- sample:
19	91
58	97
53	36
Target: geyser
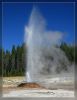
44	57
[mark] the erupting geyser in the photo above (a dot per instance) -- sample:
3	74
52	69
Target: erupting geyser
44	57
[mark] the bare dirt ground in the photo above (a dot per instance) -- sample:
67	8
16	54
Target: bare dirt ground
11	89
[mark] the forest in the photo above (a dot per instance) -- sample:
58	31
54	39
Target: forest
14	62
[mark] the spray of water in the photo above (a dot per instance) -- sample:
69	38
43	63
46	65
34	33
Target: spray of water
44	57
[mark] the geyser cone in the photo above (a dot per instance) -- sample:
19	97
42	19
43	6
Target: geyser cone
44	58
30	85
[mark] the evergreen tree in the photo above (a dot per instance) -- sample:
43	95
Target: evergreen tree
14	62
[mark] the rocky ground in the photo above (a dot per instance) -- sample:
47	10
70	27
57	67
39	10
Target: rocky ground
13	87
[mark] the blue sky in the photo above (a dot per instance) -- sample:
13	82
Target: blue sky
58	16
0	25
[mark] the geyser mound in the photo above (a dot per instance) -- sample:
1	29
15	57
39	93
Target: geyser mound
44	57
30	85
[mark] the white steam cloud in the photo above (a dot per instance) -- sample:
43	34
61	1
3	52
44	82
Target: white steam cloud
44	59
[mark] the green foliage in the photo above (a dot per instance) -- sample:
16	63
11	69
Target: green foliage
0	62
13	61
76	54
69	51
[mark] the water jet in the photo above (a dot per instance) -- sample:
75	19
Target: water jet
44	57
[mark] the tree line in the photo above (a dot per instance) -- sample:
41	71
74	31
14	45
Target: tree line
14	61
